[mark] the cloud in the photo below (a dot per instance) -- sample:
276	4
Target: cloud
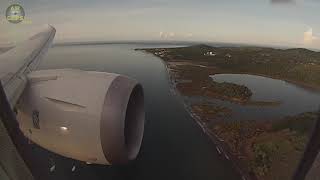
282	1
166	35
163	35
189	35
174	35
308	36
160	33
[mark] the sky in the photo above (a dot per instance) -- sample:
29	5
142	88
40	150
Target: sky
292	23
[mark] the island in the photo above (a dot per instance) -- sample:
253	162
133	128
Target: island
259	149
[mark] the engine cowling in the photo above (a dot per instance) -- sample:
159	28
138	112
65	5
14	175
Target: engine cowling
95	117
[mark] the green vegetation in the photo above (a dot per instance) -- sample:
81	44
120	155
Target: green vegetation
238	134
297	65
277	151
275	155
270	150
302	123
200	84
262	157
207	112
230	90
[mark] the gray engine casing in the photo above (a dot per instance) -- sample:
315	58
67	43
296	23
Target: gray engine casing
95	117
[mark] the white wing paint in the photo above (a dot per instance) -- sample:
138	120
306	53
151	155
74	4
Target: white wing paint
16	63
59	105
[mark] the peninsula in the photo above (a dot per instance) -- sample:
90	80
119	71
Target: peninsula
259	149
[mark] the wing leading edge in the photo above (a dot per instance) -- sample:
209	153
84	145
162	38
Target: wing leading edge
16	63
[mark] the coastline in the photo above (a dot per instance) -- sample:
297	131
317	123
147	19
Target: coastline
221	147
251	161
311	87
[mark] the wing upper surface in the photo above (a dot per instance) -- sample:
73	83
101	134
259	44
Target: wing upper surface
16	63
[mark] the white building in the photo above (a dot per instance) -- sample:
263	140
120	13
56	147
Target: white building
209	53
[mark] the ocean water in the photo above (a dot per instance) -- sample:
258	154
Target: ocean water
293	99
174	146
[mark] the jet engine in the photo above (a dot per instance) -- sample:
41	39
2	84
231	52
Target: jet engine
95	117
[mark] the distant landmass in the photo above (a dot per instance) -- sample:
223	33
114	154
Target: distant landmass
298	65
186	43
263	150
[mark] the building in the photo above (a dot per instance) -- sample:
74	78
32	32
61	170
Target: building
209	53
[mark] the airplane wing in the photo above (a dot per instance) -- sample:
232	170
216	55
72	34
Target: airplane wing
60	104
16	63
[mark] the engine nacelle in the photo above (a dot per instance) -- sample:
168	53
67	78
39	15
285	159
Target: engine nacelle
94	117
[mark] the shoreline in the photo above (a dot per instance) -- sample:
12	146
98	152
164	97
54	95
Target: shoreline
219	137
299	84
221	147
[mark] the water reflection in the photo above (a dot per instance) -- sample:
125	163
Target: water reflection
293	99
